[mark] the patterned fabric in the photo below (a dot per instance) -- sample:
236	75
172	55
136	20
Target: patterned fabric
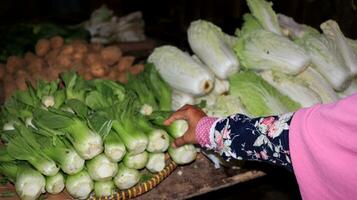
244	138
202	130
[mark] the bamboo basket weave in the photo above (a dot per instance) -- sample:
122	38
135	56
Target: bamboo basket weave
140	188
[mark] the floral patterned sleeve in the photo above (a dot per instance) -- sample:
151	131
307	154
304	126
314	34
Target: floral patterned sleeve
244	138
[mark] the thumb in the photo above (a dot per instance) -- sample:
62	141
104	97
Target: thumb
180	141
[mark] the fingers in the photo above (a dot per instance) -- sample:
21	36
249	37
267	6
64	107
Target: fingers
179	142
179	114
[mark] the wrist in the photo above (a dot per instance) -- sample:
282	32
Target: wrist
203	130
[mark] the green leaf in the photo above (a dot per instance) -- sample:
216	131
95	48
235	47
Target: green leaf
78	107
51	120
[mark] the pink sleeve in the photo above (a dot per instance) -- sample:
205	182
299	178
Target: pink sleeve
202	130
323	147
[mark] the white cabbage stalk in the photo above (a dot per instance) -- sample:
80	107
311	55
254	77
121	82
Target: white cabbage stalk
184	154
263	50
226	105
48	101
331	29
208	42
72	163
319	84
230	40
352	89
291	87
220	86
262	10
137	161
146	109
180	71
104	188
353	44
29	123
55	184
79	185
101	168
180	99
158	141
327	61
126	177
114	147
30	184
156	162
293	29
9	126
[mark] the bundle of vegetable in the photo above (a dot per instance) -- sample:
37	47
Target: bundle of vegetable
29	183
23	146
106	28
181	71
87	143
259	49
292	87
181	155
331	29
258	96
208	43
326	60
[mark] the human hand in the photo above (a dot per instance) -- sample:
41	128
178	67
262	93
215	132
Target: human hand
192	115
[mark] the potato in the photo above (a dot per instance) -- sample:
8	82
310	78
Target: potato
9	85
2	72
42	47
50	58
56	42
122	77
112	75
98	69
20	81
95	47
125	62
80	46
93	58
67	49
88	76
29	56
136	69
35	66
111	54
64	61
14	63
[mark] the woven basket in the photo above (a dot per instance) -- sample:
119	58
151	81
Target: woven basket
141	188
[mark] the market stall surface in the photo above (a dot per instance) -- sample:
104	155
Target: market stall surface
200	180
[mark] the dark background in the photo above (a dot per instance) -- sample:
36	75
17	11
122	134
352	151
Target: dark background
167	21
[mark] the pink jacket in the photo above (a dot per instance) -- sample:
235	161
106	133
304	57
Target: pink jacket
323	147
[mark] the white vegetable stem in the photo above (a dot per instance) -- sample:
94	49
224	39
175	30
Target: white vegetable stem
79	185
180	71
331	29
126	177
319	84
156	162
30	184
104	188
55	184
101	168
327	61
208	42
180	99
293	88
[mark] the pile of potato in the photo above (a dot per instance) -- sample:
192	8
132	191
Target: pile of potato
54	56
